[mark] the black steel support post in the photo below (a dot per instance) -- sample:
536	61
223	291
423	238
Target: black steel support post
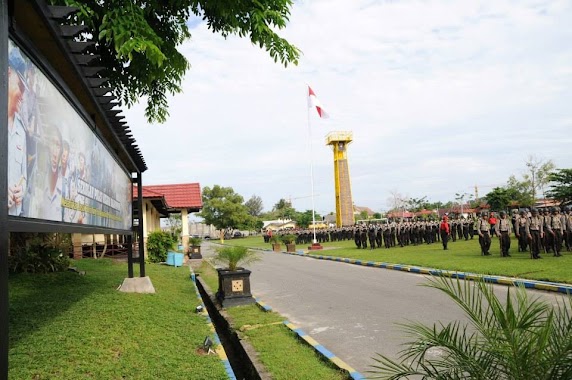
130	237
140	226
4	233
130	255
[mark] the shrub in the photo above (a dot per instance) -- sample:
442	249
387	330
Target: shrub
38	257
158	244
195	241
288	238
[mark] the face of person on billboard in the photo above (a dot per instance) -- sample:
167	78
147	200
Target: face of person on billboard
15	93
81	166
65	156
55	150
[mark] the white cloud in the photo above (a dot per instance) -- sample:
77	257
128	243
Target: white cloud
440	96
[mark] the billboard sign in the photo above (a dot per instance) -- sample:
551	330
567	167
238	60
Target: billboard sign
58	169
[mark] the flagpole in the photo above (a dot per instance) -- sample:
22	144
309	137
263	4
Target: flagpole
314	241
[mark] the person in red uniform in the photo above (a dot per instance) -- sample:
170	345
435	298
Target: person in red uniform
493	223
445	231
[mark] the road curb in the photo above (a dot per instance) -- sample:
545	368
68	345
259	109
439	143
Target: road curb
324	352
501	280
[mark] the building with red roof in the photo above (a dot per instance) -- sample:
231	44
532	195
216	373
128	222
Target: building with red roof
160	201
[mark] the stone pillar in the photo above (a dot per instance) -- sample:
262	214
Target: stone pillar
144	221
77	246
185	229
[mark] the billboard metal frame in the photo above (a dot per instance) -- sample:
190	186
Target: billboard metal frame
127	155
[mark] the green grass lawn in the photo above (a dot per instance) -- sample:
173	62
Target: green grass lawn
279	349
67	326
461	256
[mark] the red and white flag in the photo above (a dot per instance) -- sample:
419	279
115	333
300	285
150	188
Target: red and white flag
314	102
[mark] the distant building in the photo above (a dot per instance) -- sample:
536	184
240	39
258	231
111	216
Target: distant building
358	210
277	225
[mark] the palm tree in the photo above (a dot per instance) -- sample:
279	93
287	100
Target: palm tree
233	256
521	338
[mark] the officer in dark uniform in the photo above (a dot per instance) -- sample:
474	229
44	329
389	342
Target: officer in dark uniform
503	230
546	241
387	235
378	235
357	237
483	229
535	232
555	230
568	214
363	236
520	231
465	228
371	236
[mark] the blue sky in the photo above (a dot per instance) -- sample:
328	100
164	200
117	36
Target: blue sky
440	95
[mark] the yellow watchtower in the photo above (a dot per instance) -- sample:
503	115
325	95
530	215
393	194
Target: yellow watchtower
339	141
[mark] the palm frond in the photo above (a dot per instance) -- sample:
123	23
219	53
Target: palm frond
518	337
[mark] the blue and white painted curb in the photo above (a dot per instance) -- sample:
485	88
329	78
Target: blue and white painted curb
325	353
511	281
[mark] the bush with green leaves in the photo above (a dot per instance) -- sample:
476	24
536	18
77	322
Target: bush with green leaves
158	244
288	238
275	239
520	338
38	257
233	256
195	241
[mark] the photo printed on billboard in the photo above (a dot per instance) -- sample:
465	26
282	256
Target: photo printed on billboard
58	169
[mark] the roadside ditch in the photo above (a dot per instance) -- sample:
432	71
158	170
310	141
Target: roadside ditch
241	355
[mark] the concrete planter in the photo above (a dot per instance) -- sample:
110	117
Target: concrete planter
290	247
195	252
175	258
234	287
276	247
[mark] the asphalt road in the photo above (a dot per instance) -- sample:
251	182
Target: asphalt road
351	310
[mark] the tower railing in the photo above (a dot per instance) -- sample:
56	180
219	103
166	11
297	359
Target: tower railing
336	136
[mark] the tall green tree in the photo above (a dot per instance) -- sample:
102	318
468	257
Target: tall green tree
254	205
138	40
304	219
500	198
284	209
538	172
417	204
561	186
522	191
224	208
175	224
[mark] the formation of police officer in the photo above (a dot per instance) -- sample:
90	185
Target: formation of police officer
537	231
547	231
394	233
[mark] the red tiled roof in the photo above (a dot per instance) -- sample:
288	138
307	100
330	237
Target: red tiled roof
400	214
183	195
147	193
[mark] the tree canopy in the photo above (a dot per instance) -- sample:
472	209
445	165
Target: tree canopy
254	205
283	209
500	198
561	186
138	40
223	208
304	219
